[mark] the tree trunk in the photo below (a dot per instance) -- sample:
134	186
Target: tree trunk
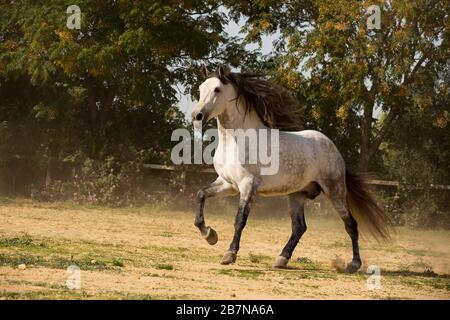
48	174
366	134
369	147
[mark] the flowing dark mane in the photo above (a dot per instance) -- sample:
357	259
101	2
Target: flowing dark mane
275	106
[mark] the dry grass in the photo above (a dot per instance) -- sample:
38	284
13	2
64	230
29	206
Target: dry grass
157	254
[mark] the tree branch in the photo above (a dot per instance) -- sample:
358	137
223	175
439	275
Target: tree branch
393	113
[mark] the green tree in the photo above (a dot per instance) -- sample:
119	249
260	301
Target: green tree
105	88
342	71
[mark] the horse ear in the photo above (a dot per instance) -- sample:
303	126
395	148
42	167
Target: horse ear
222	70
204	71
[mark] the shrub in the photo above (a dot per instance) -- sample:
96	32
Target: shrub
113	182
415	203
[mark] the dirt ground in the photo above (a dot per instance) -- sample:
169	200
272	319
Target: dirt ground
152	253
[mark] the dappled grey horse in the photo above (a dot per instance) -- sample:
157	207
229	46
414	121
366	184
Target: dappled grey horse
308	163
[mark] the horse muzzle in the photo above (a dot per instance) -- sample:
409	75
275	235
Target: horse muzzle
200	116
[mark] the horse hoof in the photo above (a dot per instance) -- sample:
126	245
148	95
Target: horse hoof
280	262
229	257
211	236
353	266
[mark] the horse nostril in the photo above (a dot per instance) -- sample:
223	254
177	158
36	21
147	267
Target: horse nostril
199	116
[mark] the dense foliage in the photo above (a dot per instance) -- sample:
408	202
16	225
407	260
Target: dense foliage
107	89
81	110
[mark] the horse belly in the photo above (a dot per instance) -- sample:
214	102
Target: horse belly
280	185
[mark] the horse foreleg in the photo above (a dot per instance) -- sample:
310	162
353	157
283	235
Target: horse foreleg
248	191
296	210
218	187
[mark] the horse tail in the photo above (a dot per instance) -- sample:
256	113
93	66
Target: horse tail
365	209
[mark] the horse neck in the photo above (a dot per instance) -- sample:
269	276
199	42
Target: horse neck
235	118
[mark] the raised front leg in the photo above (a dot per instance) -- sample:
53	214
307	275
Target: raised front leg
219	187
297	212
248	191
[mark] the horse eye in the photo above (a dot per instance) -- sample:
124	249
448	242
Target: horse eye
216	90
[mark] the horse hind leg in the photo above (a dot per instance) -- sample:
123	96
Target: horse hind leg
296	210
336	193
312	190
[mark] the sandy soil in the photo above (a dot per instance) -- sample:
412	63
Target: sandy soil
158	254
